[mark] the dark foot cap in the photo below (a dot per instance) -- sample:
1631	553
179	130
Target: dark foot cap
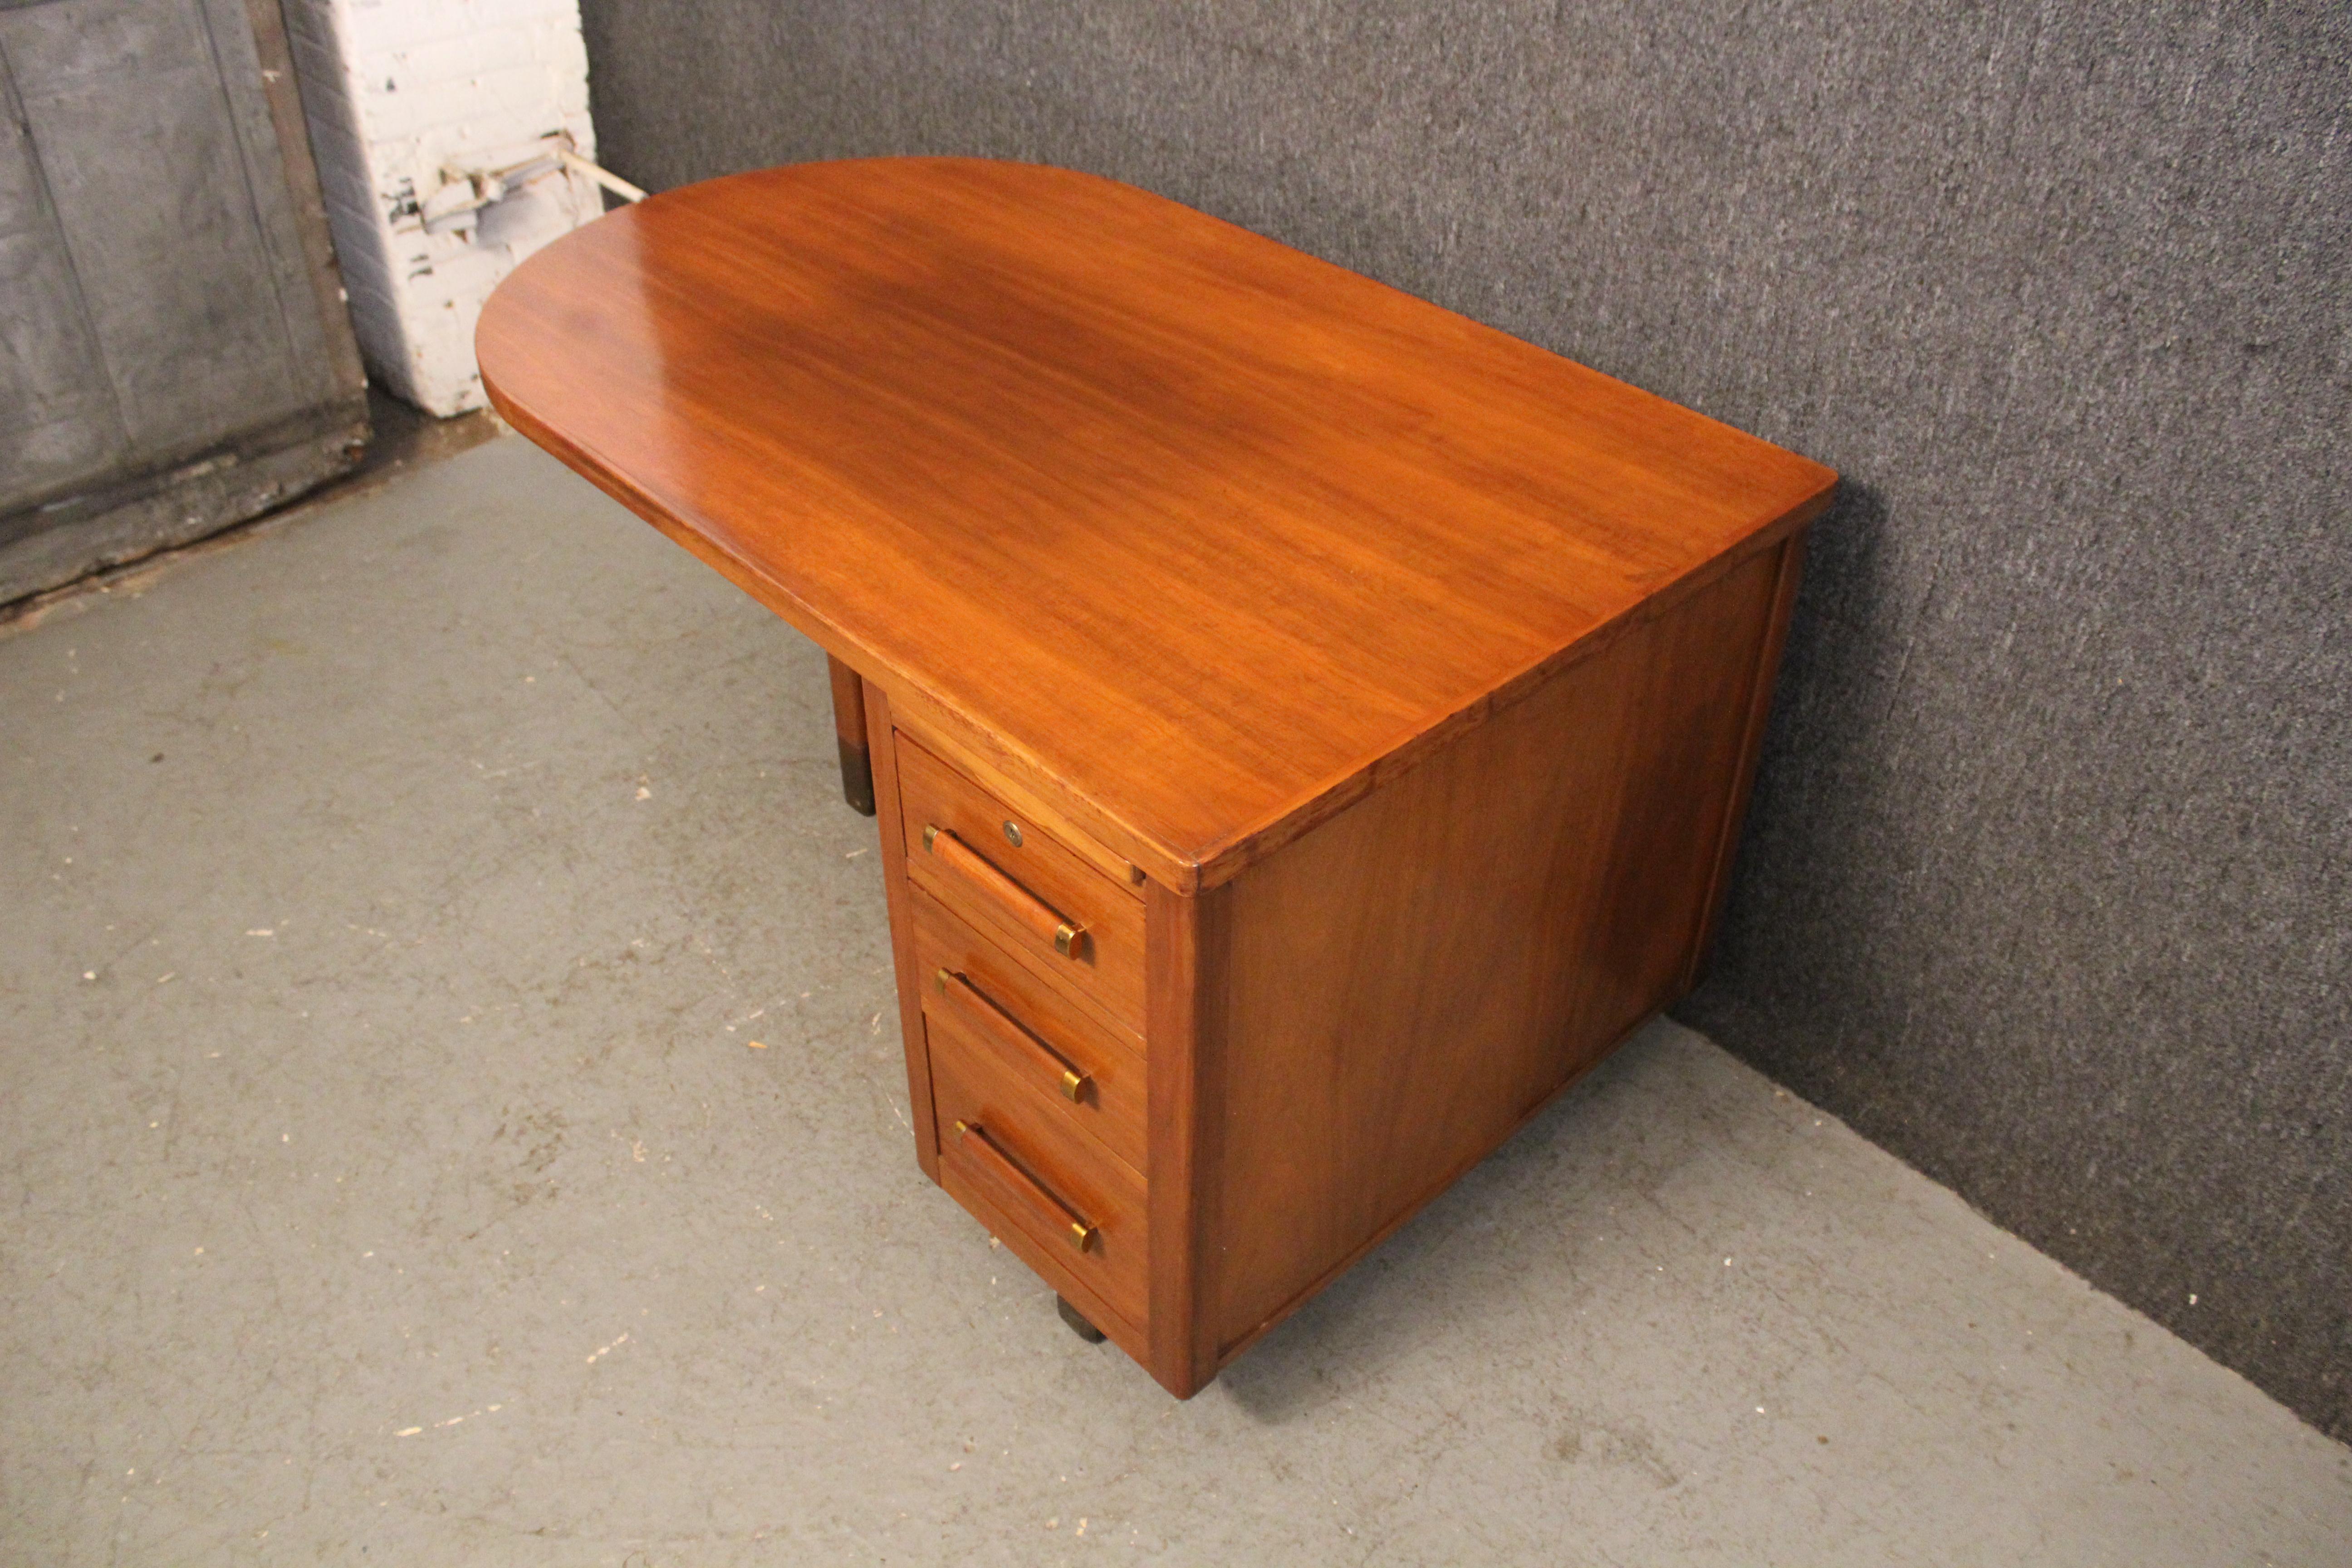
858	778
1078	1321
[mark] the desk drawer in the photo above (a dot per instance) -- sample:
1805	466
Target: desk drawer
1094	1074
1067	1208
1015	880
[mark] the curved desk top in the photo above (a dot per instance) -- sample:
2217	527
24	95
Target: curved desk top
1186	527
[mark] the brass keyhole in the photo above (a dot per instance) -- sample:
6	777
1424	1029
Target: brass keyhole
1013	834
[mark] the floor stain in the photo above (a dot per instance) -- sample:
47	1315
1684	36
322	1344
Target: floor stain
1620	1443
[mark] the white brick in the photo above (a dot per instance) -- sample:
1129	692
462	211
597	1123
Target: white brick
395	89
454	59
381	25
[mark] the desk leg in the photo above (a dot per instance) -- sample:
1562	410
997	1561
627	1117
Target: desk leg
849	731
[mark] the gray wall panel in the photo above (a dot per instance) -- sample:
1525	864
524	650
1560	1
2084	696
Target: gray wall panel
124	99
292	298
59	424
2044	886
174	353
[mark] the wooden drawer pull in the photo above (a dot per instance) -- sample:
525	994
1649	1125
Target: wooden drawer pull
974	1004
1081	1235
1018	901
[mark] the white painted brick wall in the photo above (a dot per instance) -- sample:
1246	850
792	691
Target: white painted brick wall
398	91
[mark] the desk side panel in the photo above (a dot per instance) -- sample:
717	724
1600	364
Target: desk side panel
885	760
1406	984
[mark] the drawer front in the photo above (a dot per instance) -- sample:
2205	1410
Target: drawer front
1008	1156
1015	880
1093	1076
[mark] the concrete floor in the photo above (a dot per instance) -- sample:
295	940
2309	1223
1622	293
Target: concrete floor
453	1114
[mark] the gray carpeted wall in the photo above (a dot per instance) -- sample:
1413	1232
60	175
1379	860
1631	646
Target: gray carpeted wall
2044	886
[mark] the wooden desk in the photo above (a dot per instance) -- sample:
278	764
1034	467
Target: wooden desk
1309	728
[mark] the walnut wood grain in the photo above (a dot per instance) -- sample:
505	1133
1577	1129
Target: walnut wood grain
1378	696
1079	466
1186	937
1402	988
1065	1173
899	893
1790	569
1027	890
1034	1029
980	758
975	875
